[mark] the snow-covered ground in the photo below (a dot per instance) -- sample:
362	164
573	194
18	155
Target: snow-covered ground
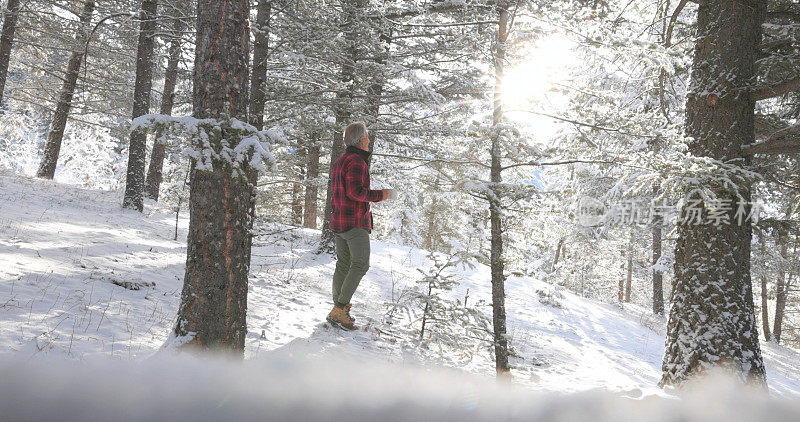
81	279
287	389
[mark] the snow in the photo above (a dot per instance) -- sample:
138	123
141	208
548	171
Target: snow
295	389
66	254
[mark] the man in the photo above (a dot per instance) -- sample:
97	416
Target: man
351	220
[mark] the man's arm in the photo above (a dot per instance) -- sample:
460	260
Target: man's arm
356	184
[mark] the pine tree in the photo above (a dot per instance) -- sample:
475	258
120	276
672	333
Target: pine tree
343	104
712	321
155	168
135	181
495	207
444	323
311	188
258	93
47	167
213	307
10	19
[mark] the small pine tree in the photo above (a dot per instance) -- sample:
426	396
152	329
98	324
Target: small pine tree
444	323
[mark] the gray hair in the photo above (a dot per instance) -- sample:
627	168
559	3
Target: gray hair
354	132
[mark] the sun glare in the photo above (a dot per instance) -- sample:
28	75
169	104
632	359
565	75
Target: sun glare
535	80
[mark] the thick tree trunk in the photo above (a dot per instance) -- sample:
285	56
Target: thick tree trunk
152	184
7	41
258	80
47	167
342	110
712	319
312	172
495	207
134	180
213	307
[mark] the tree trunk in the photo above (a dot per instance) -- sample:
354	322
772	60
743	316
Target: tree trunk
312	172
432	237
629	275
712	318
212	313
134	180
152	185
425	312
297	195
495	207
764	309
47	168
658	286
375	90
342	110
558	251
780	307
258	80
7	41
780	298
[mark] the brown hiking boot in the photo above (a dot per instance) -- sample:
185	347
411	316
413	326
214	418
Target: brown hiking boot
347	311
339	318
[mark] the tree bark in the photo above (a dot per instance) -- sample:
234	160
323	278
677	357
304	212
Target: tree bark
375	90
152	184
47	167
134	179
342	110
780	297
495	207
558	251
658	276
432	236
258	80
212	313
764	309
712	319
7	41
629	275
297	193
312	191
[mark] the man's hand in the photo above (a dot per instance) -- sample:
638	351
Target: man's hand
388	194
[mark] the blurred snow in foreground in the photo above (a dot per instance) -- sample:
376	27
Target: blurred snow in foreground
280	387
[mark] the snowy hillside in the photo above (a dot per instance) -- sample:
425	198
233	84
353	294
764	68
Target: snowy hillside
80	278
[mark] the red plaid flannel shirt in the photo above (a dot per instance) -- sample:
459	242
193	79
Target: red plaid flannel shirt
351	193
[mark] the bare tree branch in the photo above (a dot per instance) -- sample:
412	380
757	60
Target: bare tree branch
775	90
777	143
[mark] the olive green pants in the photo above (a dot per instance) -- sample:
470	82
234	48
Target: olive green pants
352	262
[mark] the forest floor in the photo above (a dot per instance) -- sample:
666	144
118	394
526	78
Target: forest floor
81	279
